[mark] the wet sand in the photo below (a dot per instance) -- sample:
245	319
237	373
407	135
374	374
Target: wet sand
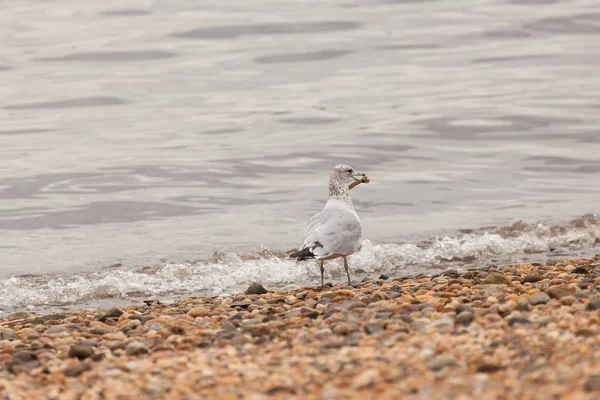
520	332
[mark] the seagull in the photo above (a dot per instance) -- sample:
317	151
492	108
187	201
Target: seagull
335	231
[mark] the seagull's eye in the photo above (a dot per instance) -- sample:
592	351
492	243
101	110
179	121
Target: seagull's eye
350	171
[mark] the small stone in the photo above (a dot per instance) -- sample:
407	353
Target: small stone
114	313
383	277
586	332
440	322
115	345
18	367
18	315
441	362
135	349
373	327
131	325
465	318
532	278
497	279
8	334
365	379
594	303
198	312
580	270
98	330
77	369
493	290
545	320
507	308
54	329
395	295
568	300
557	293
464	307
28	333
344	329
52	317
241	304
593	383
522	305
23	357
81	351
451	272
539	298
256	288
489	368
239	340
518	320
384	314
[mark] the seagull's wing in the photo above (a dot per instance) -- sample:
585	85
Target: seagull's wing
332	231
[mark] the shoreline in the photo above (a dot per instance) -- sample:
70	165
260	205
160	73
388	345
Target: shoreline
518	331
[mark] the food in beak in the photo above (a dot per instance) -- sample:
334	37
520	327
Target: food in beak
362	178
358	179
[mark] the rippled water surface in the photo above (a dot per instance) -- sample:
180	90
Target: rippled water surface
147	133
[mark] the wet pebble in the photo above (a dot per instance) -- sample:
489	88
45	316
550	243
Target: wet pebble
539	298
136	348
55	329
81	351
557	293
77	369
464	307
497	279
532	278
114	313
592	384
373	327
441	362
465	318
594	303
256	288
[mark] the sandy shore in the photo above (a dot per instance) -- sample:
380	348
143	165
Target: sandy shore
514	332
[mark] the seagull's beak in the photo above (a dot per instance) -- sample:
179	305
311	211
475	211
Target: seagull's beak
360	177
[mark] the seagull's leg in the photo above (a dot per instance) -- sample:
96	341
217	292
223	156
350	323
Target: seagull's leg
322	270
347	272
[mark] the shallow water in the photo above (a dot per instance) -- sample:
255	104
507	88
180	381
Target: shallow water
158	132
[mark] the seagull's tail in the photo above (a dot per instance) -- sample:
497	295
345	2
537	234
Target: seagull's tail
309	252
304	254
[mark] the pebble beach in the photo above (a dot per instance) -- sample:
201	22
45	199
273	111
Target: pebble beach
525	331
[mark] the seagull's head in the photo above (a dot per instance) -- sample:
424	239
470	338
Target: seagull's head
344	173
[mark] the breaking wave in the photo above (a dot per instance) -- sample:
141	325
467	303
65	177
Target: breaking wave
230	273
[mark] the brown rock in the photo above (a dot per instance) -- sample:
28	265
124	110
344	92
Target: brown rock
81	351
557	293
77	369
489	368
592	384
136	349
344	328
497	279
441	362
539	298
198	312
256	288
532	278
